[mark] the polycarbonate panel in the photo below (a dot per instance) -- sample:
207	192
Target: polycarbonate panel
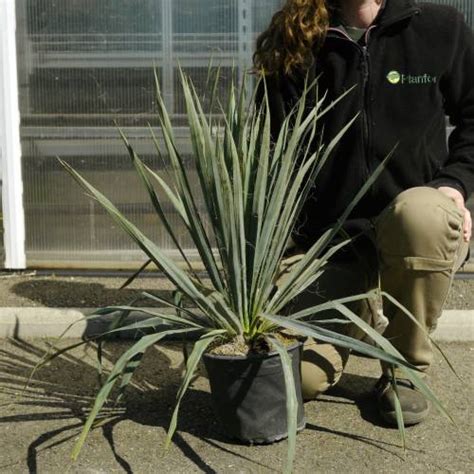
53	197
200	80
84	64
262	11
206	17
90	96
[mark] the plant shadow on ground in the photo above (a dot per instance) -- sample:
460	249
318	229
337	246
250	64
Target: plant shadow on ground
357	390
60	292
145	403
66	388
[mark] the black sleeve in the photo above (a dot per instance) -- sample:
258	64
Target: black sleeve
276	102
284	92
458	90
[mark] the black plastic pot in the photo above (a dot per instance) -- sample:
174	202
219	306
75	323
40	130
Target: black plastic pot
249	395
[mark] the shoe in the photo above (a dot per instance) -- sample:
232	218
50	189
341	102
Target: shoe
415	407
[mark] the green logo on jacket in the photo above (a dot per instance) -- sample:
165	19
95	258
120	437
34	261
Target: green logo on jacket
394	77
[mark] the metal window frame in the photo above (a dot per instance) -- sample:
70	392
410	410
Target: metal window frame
167	59
245	35
10	148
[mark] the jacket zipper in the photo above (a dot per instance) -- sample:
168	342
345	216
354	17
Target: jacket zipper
366	66
366	100
365	106
363	50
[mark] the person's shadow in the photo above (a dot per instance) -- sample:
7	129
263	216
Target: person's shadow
359	390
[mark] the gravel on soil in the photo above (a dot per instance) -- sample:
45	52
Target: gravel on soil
343	432
30	290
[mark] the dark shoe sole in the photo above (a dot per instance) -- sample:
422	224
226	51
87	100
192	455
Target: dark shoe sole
409	419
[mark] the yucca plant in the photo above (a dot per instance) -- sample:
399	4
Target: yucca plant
253	189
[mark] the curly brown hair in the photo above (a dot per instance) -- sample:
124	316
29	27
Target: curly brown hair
294	31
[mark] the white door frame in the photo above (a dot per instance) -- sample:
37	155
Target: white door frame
10	148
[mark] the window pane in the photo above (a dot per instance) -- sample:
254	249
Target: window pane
204	17
262	11
75	96
84	64
90	17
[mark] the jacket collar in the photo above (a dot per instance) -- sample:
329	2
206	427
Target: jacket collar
391	11
394	11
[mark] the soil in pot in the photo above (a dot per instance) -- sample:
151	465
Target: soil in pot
249	394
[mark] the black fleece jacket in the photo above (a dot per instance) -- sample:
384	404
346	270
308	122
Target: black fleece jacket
414	66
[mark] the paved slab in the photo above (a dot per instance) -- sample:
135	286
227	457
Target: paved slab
33	305
454	325
343	433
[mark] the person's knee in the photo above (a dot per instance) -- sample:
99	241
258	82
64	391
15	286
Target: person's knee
420	223
321	368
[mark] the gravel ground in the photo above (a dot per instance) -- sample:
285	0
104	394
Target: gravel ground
343	433
29	290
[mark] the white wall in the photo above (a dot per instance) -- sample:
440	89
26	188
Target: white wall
10	151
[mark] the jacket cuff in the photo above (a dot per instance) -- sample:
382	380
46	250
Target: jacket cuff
451	182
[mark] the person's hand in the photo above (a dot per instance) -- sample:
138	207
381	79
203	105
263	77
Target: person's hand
458	199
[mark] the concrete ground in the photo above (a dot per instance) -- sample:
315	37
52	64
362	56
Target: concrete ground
343	433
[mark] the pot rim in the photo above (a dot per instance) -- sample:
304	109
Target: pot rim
267	355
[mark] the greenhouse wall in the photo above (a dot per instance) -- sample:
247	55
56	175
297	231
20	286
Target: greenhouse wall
83	65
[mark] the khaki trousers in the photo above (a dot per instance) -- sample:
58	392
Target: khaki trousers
413	253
